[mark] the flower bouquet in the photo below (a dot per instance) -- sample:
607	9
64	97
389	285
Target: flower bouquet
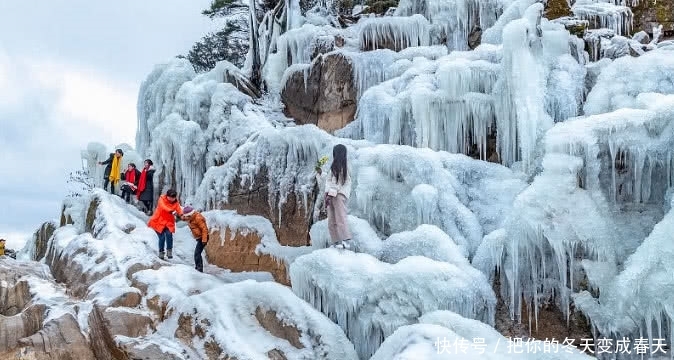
322	161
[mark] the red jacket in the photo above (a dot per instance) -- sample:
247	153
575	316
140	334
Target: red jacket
163	215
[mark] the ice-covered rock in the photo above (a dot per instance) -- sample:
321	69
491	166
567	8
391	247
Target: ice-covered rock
247	243
620	83
604	15
444	335
370	299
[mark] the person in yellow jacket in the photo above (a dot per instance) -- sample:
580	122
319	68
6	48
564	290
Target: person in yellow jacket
113	170
2	247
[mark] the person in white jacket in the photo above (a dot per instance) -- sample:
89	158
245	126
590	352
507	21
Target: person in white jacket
337	192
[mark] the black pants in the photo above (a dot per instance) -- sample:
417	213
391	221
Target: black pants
126	193
147	204
198	261
107	181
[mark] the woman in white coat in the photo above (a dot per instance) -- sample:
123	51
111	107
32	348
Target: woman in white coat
337	192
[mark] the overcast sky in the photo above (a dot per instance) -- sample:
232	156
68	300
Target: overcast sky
70	71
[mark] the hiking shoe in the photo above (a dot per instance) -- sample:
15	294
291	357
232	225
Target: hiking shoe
169	253
161	255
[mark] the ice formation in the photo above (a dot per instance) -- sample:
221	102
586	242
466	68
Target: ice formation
619	84
458	101
396	32
455	18
604	179
426	240
369	299
604	15
233	323
444	335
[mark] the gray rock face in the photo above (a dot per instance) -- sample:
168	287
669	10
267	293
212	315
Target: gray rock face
325	95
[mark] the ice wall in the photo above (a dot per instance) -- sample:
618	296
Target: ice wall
458	101
637	302
460	193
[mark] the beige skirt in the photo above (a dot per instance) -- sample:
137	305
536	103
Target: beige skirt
338	224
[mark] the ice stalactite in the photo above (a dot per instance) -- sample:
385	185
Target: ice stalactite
285	156
637	301
156	96
604	15
565	225
411	109
554	223
384	172
371	68
596	40
395	33
625	151
426	198
178	150
457	18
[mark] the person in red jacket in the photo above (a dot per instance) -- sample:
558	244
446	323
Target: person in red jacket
163	221
130	185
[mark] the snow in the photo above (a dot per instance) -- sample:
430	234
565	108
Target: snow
426	240
364	238
232	324
369	299
446	335
621	81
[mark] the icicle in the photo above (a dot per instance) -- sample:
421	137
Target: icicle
639	161
403	32
604	15
612	152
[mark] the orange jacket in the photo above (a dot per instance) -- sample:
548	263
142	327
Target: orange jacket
163	215
197	224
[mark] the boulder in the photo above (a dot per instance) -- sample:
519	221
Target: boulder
237	253
41	238
106	323
555	9
291	225
60	339
324	95
642	37
475	37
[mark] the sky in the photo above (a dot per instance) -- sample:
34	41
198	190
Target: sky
70	71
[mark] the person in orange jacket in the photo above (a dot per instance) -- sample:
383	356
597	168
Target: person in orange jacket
199	228
163	221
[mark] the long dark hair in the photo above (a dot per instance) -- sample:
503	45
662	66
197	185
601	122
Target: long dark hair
338	166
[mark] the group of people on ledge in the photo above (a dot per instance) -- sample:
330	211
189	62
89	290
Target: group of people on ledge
163	219
133	181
